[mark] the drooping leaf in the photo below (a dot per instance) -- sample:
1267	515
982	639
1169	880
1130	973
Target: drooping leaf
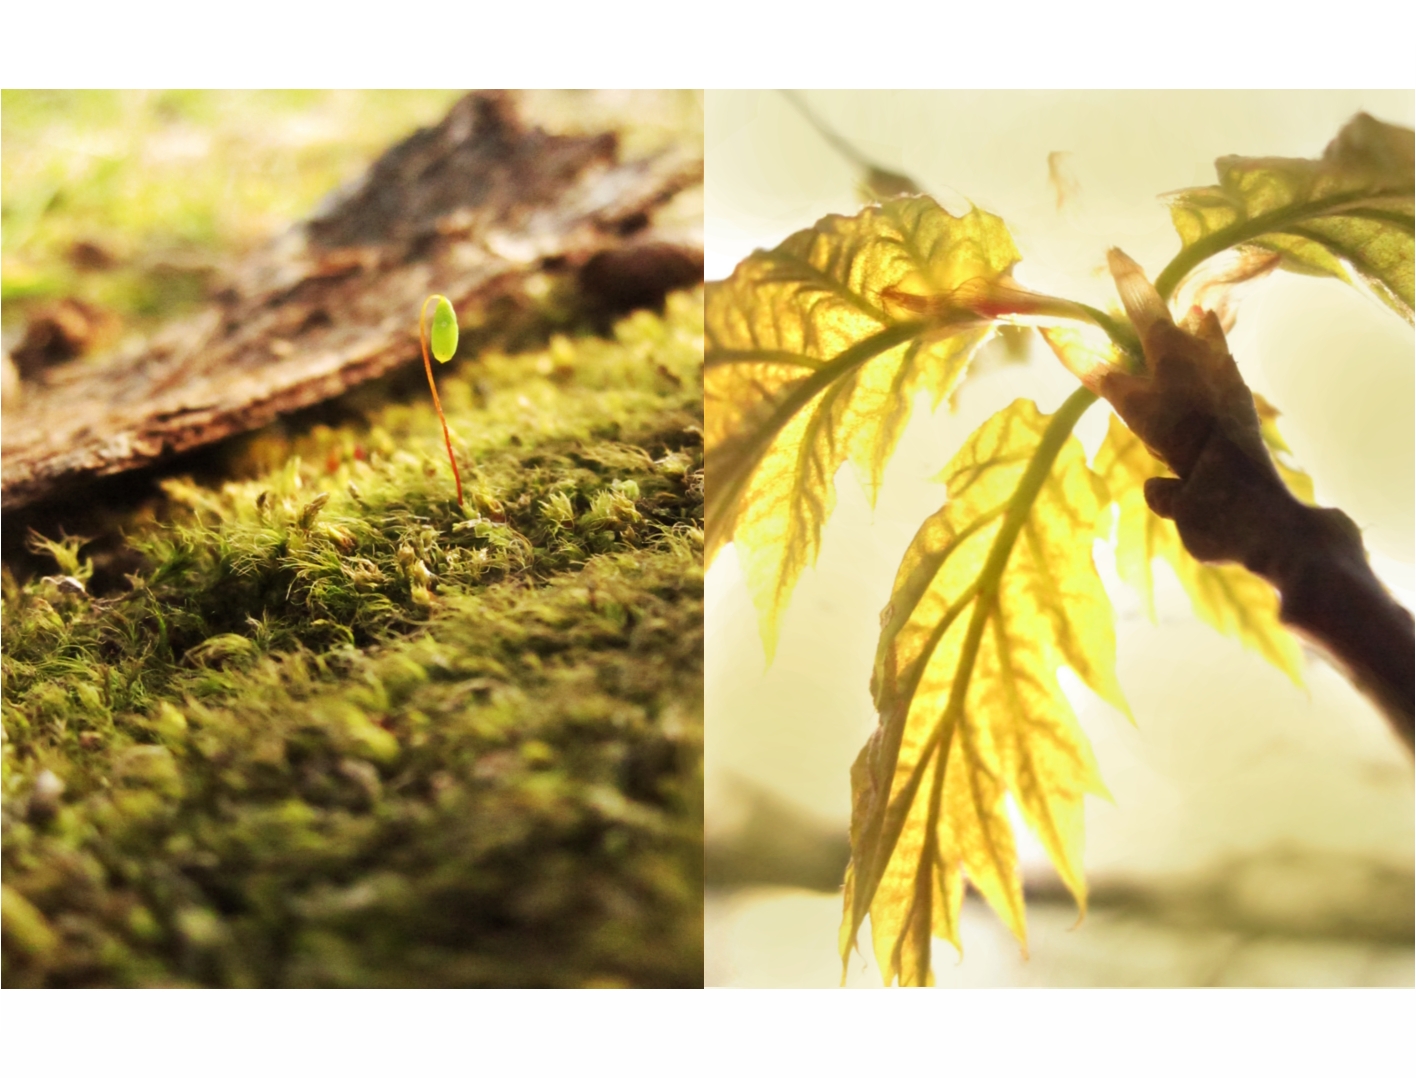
815	351
985	609
1347	214
1228	597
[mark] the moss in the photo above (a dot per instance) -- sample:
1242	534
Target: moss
341	732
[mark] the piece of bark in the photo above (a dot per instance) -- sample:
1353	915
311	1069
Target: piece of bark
476	208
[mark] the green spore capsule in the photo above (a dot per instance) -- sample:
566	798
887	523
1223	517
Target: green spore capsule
444	334
444	344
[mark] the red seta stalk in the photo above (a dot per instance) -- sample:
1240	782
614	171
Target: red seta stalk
428	366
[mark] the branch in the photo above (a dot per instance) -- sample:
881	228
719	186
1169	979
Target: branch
775	843
1228	508
1193	410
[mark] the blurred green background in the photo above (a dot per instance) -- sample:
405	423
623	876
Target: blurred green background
133	200
1260	834
129	199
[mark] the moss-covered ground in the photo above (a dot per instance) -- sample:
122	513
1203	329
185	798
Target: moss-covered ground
338	731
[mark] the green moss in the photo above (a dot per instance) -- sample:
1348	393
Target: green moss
341	732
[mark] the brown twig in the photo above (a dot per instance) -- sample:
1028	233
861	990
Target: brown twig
1229	504
1228	508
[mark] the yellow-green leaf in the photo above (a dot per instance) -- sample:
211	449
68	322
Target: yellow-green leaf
1228	597
815	351
966	673
1347	214
1297	480
1086	352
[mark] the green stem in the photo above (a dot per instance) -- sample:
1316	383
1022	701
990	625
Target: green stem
1121	334
1242	231
1059	429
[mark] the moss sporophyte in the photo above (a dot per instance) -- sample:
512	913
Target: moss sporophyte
444	345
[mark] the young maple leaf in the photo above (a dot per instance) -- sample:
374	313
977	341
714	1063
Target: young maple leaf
815	352
970	706
1347	214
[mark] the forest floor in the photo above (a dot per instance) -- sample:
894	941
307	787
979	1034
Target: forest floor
297	718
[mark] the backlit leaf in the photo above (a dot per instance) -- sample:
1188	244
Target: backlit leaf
966	672
1086	352
815	351
1228	597
1347	214
1295	478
